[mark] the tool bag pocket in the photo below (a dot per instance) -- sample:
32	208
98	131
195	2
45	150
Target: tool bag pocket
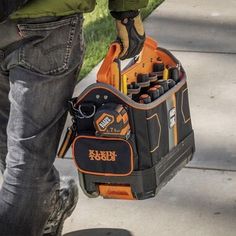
103	156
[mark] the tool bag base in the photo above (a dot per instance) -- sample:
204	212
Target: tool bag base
141	184
131	165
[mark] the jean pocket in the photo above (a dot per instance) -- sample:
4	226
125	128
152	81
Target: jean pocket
50	50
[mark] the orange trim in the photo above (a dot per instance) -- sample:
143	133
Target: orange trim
125	118
116	192
102	138
125	130
118	118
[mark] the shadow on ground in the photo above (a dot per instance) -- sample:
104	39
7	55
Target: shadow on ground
100	232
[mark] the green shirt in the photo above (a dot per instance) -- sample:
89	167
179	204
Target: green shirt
40	8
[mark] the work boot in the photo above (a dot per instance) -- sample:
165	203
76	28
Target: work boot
65	203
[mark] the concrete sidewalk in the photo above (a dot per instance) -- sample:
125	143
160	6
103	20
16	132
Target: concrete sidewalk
201	199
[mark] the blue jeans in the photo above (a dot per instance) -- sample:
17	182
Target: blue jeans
39	62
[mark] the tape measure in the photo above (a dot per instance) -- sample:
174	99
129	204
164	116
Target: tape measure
111	120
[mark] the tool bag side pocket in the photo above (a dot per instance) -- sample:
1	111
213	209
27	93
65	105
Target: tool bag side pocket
150	131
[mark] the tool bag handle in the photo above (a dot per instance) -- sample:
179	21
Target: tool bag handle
110	70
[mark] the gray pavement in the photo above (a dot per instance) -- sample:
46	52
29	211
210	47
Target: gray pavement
201	199
195	25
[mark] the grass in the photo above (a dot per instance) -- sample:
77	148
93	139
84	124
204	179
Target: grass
99	32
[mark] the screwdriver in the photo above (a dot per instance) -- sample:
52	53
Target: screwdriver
143	80
174	74
171	83
133	88
145	99
153	77
164	84
154	93
158	67
160	89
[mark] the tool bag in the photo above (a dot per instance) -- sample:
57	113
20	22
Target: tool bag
125	148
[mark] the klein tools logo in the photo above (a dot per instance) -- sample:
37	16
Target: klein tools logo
104	121
95	155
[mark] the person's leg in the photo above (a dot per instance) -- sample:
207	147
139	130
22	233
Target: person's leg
4	114
42	76
5	40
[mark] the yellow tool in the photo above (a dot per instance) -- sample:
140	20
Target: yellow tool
124	85
166	74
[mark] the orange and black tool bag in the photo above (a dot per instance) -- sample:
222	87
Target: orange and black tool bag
127	146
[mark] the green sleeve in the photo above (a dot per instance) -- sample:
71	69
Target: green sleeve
126	5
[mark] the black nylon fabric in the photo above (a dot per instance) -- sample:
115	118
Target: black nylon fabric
142	139
9	6
158	132
103	156
184	124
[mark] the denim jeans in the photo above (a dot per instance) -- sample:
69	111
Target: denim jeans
39	62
